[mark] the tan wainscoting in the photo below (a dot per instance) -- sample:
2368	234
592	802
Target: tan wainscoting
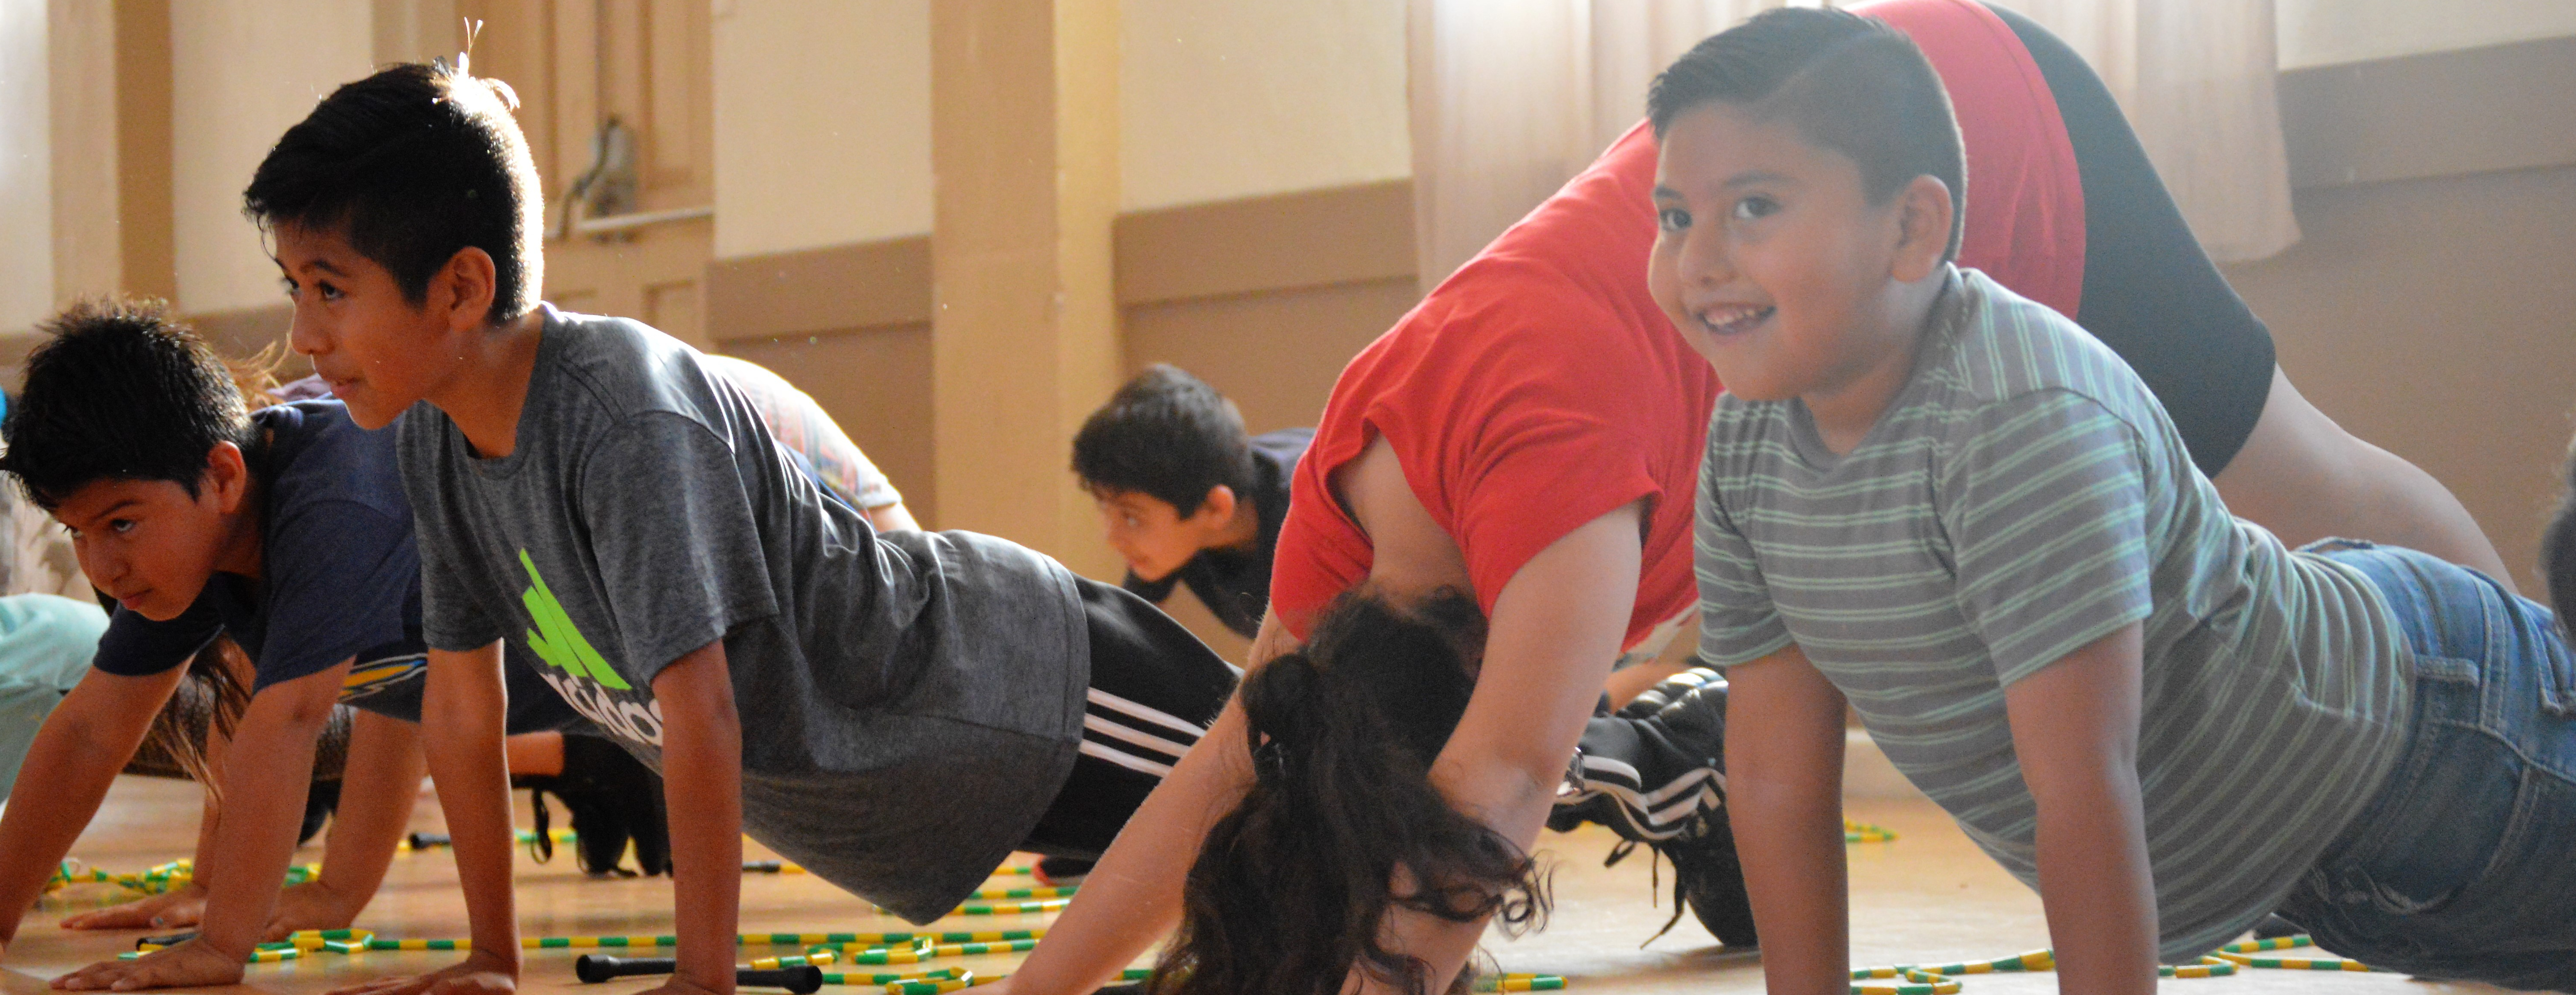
2475	110
1266	298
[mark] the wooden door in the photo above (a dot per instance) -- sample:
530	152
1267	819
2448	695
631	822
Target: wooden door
576	65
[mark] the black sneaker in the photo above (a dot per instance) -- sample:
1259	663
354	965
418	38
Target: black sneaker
1654	774
614	799
1707	874
320	802
1062	872
2274	927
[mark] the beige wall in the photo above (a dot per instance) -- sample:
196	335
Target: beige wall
242	72
822	123
2326	32
2437	318
26	167
823	110
1220	99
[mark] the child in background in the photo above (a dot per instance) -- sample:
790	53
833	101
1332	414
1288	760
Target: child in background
45	644
1951	509
895	711
1187	497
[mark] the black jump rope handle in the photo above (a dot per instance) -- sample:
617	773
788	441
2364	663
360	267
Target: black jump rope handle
424	841
596	968
171	940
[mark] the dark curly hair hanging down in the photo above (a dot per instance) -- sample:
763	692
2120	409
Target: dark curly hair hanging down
2558	553
1290	890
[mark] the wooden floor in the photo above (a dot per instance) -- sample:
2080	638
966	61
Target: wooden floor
1928	897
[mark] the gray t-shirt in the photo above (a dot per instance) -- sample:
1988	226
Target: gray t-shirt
910	702
2022	497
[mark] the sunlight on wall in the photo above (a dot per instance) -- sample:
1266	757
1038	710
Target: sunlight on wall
243	71
822	123
1220	99
2326	32
26	168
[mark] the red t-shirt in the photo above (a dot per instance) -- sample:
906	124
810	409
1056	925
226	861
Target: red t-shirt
1535	390
2025	200
1540	387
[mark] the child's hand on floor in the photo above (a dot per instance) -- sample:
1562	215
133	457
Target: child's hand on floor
312	905
189	965
181	906
478	974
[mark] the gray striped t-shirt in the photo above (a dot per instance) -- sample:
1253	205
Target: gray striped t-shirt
2023	496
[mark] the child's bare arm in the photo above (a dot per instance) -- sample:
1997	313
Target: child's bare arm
184	905
1133	896
267	772
461	718
1556	629
76	755
702	753
2075	729
378	788
1784	774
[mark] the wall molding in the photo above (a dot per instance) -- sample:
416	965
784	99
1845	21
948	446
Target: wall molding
2475	110
1310	238
835	288
1359	233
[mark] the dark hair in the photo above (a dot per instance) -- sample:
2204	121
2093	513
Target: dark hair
413	165
121	391
1168	435
2558	552
1848	83
1290	889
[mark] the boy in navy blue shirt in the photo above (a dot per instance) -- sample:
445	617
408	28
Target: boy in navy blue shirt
1186	495
285	532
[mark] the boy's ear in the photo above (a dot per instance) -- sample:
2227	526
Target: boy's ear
1925	210
227	477
463	289
1218	506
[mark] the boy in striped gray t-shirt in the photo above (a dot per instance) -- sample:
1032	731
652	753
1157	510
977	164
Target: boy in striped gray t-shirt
1952	509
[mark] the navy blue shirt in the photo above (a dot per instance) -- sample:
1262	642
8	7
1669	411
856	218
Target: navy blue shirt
340	579
1235	583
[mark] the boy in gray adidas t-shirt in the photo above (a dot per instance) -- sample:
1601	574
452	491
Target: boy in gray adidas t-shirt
1952	510
896	712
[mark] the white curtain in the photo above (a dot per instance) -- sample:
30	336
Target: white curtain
2195	78
1513	97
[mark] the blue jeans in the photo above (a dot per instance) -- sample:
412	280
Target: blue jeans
2464	865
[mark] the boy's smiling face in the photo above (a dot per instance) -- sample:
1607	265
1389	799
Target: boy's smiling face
379	351
1773	263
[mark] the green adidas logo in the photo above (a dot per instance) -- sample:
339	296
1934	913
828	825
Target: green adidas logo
555	639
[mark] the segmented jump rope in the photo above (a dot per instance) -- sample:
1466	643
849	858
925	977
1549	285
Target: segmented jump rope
803	973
